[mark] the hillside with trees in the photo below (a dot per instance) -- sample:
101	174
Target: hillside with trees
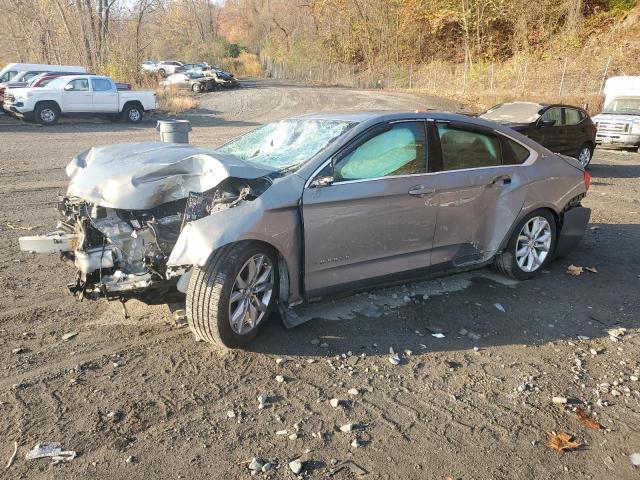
548	47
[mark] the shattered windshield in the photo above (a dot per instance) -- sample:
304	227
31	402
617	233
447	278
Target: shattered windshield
287	143
625	106
516	112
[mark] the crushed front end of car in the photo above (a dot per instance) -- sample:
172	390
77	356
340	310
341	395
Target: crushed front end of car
125	208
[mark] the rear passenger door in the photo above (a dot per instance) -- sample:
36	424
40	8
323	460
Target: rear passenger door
480	192
105	96
576	131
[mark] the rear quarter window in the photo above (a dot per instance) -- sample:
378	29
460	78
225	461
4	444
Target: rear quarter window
513	153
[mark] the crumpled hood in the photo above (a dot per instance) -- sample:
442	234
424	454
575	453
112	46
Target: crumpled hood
140	176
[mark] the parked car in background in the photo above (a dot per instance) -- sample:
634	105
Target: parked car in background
619	123
312	206
32	79
225	79
78	95
196	66
561	128
189	81
12	70
149	66
169	67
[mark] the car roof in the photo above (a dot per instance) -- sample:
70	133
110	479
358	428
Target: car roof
386	116
542	105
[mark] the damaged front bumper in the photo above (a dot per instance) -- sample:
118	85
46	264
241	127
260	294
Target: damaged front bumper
123	254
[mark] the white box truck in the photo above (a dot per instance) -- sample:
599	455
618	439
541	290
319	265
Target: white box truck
619	123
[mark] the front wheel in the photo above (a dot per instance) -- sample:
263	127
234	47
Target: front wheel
230	298
47	114
585	154
196	87
530	247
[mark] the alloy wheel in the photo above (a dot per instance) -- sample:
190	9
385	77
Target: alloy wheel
585	156
251	294
533	244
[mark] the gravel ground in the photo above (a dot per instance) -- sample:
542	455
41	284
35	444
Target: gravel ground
139	398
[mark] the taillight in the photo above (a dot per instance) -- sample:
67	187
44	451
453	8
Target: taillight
587	180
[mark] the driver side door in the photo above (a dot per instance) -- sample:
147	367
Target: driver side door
370	213
554	137
77	97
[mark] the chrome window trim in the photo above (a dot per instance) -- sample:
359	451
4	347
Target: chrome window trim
533	156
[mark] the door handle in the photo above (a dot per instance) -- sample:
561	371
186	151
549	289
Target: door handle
421	190
501	180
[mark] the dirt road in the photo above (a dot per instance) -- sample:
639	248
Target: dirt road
138	398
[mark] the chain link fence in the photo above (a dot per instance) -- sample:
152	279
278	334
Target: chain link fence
566	80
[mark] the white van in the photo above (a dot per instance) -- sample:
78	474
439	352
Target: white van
12	70
619	123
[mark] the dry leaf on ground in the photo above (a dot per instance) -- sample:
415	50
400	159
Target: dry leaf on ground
587	419
574	270
561	442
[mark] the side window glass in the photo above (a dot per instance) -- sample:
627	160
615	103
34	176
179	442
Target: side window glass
79	85
101	85
572	116
7	76
467	149
553	114
398	151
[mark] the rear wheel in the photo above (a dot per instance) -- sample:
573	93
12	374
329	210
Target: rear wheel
47	113
230	298
196	87
530	247
585	154
133	114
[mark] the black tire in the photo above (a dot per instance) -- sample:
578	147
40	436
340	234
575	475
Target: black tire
196	88
47	113
506	262
162	73
133	113
586	146
209	292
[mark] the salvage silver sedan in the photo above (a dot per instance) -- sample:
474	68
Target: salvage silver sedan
308	207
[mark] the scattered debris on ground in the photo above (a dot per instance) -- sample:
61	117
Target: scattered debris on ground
51	450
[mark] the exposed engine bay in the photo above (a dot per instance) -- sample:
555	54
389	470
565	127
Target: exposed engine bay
122	254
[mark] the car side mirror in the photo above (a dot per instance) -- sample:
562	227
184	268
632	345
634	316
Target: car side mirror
547	123
322	181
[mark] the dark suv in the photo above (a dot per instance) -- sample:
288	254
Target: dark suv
561	128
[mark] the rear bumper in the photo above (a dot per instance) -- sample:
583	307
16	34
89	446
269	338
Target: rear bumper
574	224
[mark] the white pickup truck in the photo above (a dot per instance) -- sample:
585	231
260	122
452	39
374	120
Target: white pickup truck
619	123
78	95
